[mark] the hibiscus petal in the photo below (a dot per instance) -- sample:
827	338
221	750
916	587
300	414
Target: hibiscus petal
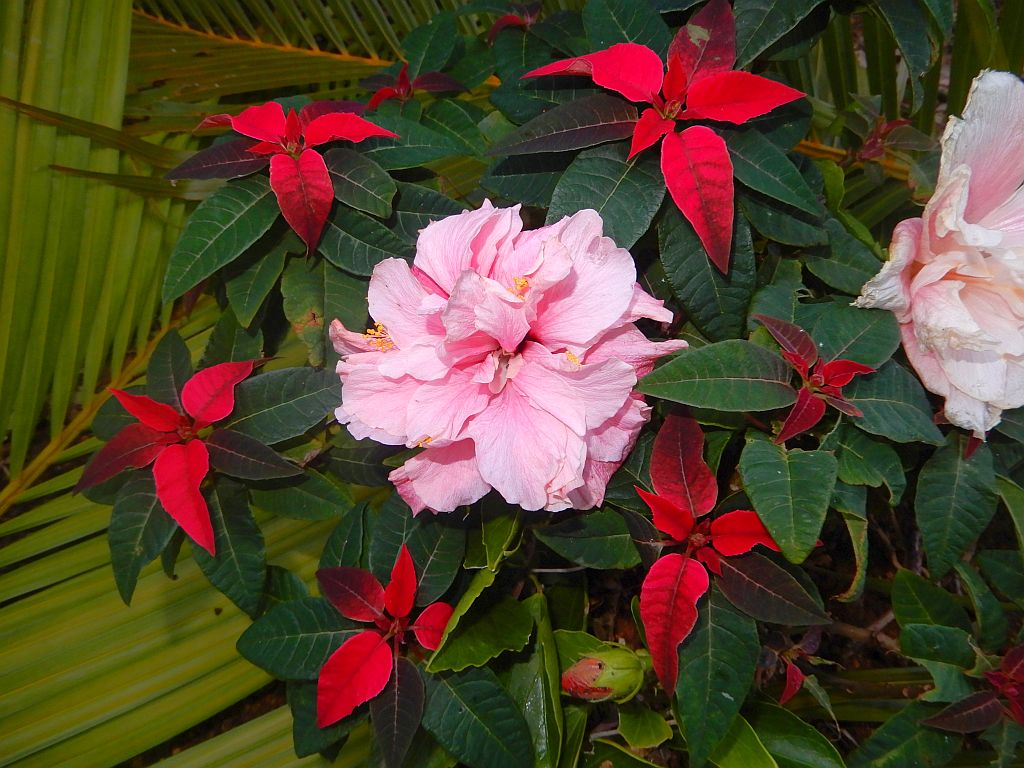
678	470
698	173
178	472
440	409
440	479
342	125
369	398
668	610
649	129
353	675
668	517
304	192
135	446
354	592
631	69
805	413
210	395
629	345
735	97
401	590
707	44
403	306
431	624
159	416
736	533
480	304
265	122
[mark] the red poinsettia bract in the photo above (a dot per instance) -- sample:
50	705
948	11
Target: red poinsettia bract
685	490
361	667
699	84
1008	680
298	174
168	439
822	383
526	17
402	88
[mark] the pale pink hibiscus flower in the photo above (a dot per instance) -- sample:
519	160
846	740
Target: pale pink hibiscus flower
509	356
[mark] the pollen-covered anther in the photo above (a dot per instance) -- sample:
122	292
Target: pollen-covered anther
520	285
379	337
423	442
572	358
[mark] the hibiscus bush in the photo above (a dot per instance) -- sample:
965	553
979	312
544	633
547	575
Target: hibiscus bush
664	388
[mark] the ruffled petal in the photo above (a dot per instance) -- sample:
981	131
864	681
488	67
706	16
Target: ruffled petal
440	479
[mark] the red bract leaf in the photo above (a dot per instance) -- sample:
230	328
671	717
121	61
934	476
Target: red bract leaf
707	44
792	338
436	82
401	590
316	109
974	713
353	675
159	416
631	69
805	413
678	470
382	95
133	447
215	121
668	517
210	395
698	174
735	97
265	122
839	373
508	20
341	125
178	472
797	363
354	592
649	129
794	682
841	404
228	160
304	192
710	558
736	533
1013	664
431	623
668	610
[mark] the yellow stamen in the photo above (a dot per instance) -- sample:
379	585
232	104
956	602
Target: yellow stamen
521	286
572	358
424	442
379	337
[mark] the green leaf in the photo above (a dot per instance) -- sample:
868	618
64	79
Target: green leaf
642	728
396	712
594	539
954	503
608	22
930	642
583	123
498	534
345	545
246	458
359	182
307	737
358	461
760	23
627	193
475	719
894	406
604	752
909	27
779	297
170	366
357	243
903	741
311	497
293	640
762	166
239	567
732	375
1011	424
1013	497
635	470
868	336
458	120
716	670
780	222
845	263
767	592
1004	569
575	732
416	144
791	741
853	508
863	461
429	46
715	303
230	342
741	748
218	231
249	288
917	601
302	290
1005	737
484	634
344	299
417	206
526	179
282	404
791	508
139	531
478	585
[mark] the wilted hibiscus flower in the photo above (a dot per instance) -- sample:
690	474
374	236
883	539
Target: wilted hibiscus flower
508	356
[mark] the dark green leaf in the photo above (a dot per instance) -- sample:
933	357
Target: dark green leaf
282	404
484	634
791	741
239	567
396	712
909	26
1004	569
416	144
428	47
218	231
344	546
930	642
779	297
716	670
642	728
417	206
780	222
1006	738
230	342
583	123
527	179
535	687
293	640
845	263
732	375
762	166
478	585
358	461
302	289
792	509
308	737
868	336
344	299
634	471
248	288
458	121
170	366
918	601
359	182
627	193
594	539
608	22
1011	424
715	303
475	719
767	592
311	497
139	531
894	406
851	502
903	741
760	23
111	418
246	458
357	243
863	461
954	503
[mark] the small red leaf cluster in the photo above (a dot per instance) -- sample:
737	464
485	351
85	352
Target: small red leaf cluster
699	84
298	173
983	709
402	88
685	490
1008	681
360	669
526	17
168	439
822	381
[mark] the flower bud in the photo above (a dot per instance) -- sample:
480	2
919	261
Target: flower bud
613	673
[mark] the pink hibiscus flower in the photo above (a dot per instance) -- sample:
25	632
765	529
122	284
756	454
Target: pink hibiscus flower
509	356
